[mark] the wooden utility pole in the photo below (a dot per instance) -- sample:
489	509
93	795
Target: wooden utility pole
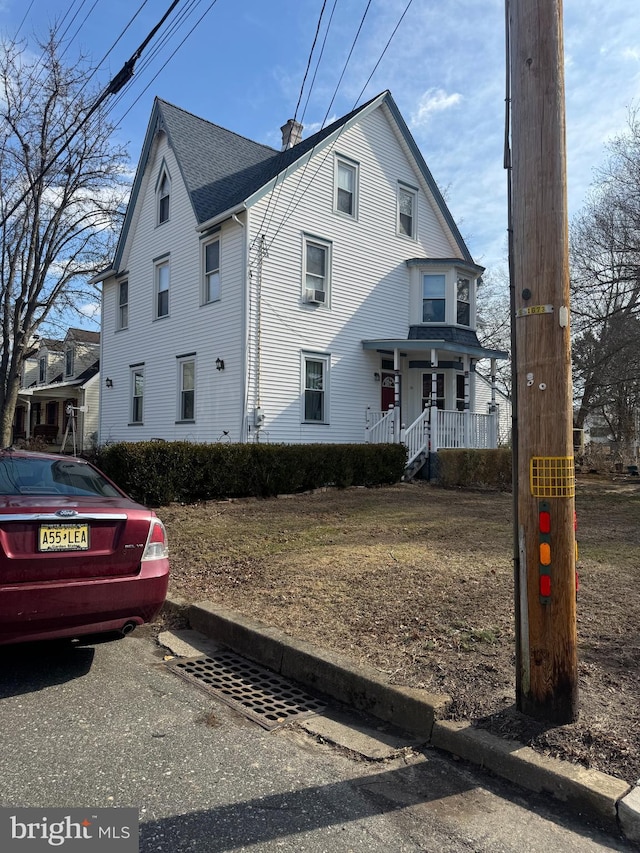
546	680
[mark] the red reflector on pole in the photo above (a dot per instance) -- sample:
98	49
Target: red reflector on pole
545	585
545	521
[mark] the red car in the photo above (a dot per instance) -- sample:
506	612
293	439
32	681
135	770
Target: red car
77	556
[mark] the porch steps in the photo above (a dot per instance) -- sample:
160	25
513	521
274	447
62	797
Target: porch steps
415	466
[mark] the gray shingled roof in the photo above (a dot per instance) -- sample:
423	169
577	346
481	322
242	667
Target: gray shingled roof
220	168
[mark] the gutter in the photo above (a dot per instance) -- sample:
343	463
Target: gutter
221	217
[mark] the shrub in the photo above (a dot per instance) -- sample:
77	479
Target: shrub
158	472
486	469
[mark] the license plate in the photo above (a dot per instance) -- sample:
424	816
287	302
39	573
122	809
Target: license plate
63	537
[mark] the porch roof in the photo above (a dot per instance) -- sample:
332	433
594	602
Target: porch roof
406	345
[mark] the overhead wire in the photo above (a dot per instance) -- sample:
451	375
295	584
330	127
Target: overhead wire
290	209
304	170
295	115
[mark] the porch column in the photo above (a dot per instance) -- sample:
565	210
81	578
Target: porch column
396	397
434	409
466	363
27	429
493	409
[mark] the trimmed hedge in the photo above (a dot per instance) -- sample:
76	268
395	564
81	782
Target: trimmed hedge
159	472
485	469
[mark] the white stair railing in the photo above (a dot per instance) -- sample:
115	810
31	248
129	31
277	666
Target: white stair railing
416	437
381	427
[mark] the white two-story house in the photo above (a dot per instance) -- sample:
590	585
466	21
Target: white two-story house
321	293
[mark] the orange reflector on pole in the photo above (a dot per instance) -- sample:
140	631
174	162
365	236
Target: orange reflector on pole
545	554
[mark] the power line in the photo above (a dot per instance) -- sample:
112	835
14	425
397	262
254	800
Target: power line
295	115
304	170
290	209
112	88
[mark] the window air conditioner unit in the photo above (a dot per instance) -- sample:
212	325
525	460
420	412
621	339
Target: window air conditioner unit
315	297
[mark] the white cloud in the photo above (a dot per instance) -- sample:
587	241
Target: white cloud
433	101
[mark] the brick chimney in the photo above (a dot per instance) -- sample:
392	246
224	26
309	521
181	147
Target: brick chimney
291	134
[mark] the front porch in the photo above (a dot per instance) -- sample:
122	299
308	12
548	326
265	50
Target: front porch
434	429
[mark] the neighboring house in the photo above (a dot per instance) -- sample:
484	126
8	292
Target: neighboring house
488	399
290	296
60	390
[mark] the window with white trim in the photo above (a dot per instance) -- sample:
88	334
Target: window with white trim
162	289
211	271
164	196
187	388
315	379
137	394
123	305
407	211
316	270
68	361
346	189
463	303
433	298
42	369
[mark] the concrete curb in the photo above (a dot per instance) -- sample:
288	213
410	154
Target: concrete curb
418	712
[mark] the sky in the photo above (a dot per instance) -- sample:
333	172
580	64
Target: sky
241	64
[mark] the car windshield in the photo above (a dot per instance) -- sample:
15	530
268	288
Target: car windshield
21	475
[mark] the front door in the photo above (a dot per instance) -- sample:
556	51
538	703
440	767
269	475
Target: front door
388	391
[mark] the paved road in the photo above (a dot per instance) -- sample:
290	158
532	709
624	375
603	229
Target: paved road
107	725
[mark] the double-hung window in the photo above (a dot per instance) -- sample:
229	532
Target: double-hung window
164	195
463	304
42	369
315	378
123	305
433	298
316	274
211	263
137	393
187	388
407	211
68	361
346	187
162	289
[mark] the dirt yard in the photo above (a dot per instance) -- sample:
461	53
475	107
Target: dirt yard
418	582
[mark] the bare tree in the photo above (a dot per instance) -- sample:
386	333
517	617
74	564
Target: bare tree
62	195
605	282
494	326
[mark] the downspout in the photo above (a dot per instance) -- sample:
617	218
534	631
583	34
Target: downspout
245	330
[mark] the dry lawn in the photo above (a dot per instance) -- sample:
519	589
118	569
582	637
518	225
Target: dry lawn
418	582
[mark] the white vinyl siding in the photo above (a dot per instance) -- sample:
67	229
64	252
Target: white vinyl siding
211	333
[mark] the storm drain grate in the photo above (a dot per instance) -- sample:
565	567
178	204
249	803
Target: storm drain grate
259	694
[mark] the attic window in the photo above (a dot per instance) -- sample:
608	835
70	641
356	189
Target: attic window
164	191
68	362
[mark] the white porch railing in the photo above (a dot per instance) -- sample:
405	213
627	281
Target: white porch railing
416	437
382	427
434	429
